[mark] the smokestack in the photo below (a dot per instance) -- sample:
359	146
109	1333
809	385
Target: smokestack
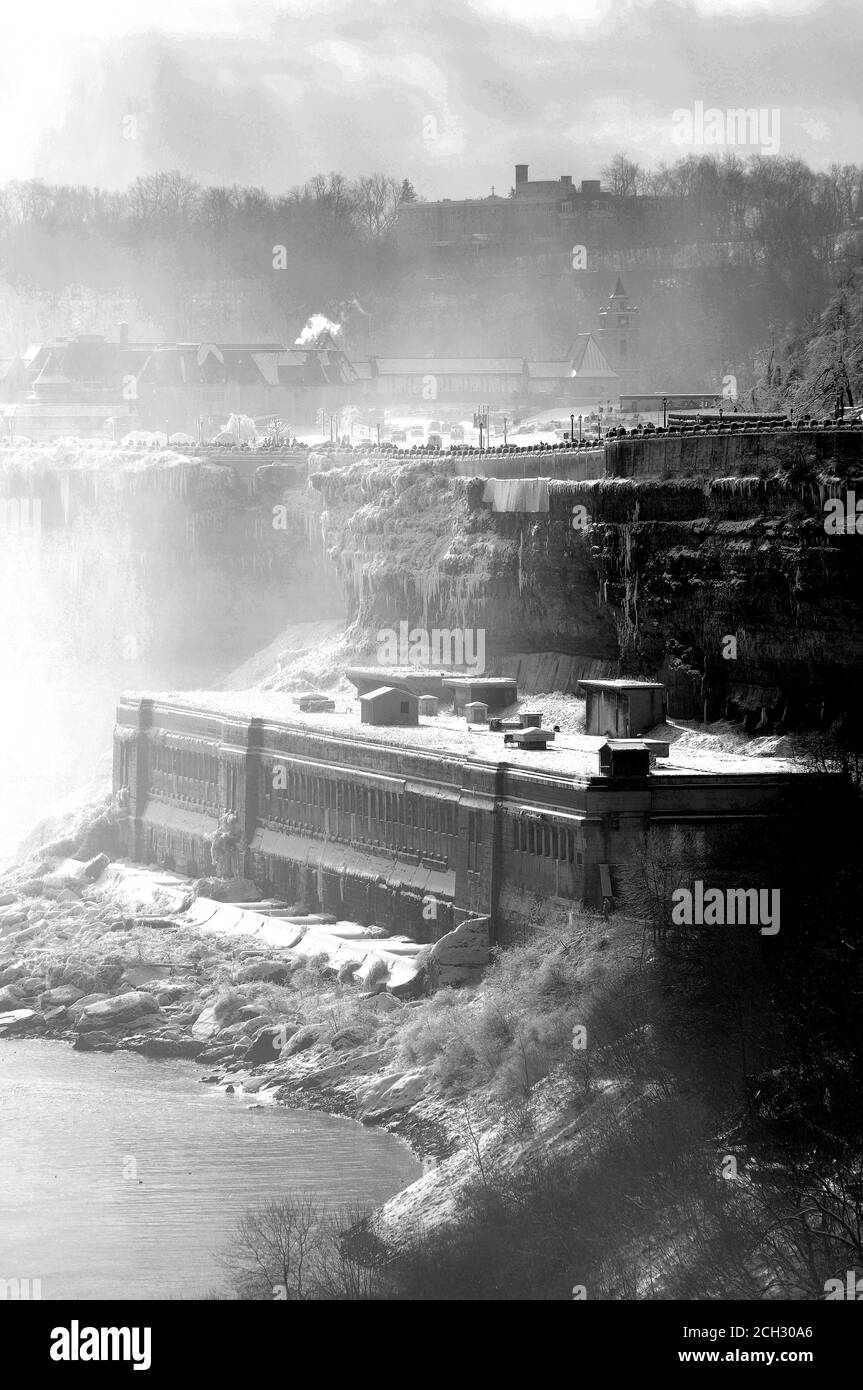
520	174
124	335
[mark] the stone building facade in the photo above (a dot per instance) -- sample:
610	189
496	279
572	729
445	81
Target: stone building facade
415	840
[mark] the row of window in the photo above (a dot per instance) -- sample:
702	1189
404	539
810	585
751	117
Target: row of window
543	838
348	810
351	811
187	775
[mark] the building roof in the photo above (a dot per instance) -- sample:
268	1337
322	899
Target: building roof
446	735
559	370
620	683
410	366
493	681
588	359
387	690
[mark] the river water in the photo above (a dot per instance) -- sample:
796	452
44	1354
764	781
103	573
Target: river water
120	1176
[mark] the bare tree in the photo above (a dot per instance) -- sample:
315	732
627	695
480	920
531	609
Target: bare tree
376	204
272	1250
624	177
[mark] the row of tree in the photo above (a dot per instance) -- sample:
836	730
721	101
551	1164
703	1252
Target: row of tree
778	196
170	201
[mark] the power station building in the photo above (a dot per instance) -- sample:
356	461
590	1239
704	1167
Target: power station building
415	829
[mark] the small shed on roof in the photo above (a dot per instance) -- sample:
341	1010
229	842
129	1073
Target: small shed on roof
623	708
624	757
534	738
389	705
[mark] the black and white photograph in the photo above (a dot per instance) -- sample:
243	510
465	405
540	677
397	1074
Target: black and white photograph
431	629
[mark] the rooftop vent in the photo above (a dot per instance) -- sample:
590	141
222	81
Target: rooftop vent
533	739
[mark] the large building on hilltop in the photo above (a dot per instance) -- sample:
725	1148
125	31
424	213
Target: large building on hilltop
540	215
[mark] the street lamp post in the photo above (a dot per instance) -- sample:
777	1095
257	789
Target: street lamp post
664	411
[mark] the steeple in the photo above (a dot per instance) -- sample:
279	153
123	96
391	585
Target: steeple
618	335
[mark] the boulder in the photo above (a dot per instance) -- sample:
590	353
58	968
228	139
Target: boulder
11	921
229	890
84	1002
252	1026
96	1041
461	956
16	1020
60	996
347	971
206	1024
255	1083
24	935
231	1032
344	1039
304	1037
169	994
10	999
265	1046
119	1012
30	985
7	898
388	1094
11	973
273	971
94	868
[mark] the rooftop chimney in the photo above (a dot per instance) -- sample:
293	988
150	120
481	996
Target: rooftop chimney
520	174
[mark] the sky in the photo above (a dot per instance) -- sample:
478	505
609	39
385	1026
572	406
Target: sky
450	93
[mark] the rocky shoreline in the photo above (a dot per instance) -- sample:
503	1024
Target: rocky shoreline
289	1007
79	965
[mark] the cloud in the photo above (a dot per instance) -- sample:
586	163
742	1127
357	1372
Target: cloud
451	94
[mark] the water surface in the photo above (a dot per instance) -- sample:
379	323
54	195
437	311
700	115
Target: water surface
120	1175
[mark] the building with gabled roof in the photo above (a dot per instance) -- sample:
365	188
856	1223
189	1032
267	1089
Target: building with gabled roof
93	384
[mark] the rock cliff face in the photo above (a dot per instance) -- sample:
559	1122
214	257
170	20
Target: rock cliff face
728	588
